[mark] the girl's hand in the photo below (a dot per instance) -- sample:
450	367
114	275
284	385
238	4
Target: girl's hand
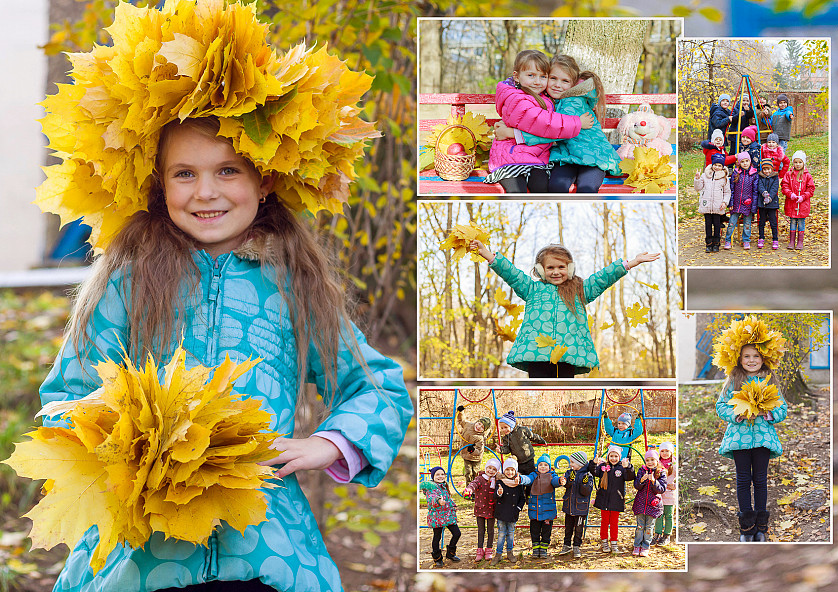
300	454
625	462
599	460
697	173
587	120
503	131
481	249
500	489
562	480
643	257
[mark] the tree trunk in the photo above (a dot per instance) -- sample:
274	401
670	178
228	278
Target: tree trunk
430	34
667	289
449	302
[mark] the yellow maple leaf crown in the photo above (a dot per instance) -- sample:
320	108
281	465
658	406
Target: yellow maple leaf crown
751	330
295	114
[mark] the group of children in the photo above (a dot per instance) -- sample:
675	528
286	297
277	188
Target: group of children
549	136
499	497
759	174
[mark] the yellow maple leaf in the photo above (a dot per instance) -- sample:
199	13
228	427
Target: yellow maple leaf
460	238
637	314
513	309
543	340
698	527
606	326
755	398
652	286
710	490
557	353
509	331
140	455
649	171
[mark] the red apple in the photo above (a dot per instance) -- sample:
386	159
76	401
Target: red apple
456	149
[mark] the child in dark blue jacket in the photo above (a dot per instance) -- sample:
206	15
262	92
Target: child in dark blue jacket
542	504
720	116
578	484
510	502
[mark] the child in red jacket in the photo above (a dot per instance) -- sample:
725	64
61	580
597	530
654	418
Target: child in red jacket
798	187
716	146
483	488
772	149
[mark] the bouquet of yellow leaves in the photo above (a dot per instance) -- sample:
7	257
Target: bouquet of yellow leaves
748	331
461	237
648	171
755	398
474	122
140	455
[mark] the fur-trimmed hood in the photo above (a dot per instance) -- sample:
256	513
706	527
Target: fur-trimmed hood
579	90
256	247
722	174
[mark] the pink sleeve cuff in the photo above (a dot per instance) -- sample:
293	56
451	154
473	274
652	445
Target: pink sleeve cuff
343	470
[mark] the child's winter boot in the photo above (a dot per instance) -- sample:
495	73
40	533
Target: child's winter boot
656	538
746	245
792	238
614	548
775	244
760	243
487	554
479	555
727	245
496	558
510	556
799	239
761	535
747	526
451	553
664	540
437	559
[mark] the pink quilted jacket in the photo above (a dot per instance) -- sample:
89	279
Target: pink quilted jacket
521	111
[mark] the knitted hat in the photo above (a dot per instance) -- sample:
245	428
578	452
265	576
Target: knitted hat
624	417
743	156
766	162
724	96
750	132
508	418
485	422
543	458
294	113
493	462
667	446
799	154
614	448
717	133
579	457
717	159
435	469
510	462
749	331
782	97
652	453
772	137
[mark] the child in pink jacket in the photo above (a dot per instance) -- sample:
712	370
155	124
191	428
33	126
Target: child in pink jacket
798	187
522	104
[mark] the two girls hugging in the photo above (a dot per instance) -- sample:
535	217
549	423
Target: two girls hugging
550	136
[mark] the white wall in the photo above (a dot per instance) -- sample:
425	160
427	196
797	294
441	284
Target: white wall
23	27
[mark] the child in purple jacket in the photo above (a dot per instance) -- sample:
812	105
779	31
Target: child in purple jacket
650	483
743	198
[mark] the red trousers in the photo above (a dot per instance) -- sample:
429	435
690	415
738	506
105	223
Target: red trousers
611	519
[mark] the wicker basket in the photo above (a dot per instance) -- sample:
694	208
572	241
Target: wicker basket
453	167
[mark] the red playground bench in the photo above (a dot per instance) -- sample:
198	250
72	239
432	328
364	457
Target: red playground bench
431	184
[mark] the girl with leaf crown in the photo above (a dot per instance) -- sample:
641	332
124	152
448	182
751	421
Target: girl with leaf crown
750	402
554	340
194	186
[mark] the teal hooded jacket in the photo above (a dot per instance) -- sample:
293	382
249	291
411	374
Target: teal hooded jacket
546	313
239	311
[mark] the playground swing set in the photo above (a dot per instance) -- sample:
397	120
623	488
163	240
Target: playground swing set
428	447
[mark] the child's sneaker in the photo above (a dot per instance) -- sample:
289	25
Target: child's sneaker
746	245
775	245
727	245
614	548
655	538
664	540
636	551
606	548
577	552
644	552
565	550
760	243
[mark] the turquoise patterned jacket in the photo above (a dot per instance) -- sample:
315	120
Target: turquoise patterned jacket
547	313
240	312
744	435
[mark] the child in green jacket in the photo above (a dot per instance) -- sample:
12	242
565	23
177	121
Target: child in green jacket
555	309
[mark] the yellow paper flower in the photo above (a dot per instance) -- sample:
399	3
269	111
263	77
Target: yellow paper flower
648	171
473	121
755	398
141	455
293	113
748	331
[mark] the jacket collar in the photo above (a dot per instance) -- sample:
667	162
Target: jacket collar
257	247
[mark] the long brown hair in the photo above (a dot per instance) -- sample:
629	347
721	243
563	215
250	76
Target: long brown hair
569	65
158	256
536	59
569	289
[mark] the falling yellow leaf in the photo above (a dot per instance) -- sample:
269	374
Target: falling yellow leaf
557	353
461	237
698	527
710	490
652	286
637	314
509	331
542	340
606	326
513	309
141	455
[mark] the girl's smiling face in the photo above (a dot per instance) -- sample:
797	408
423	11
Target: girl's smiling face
503	429
491	470
613	457
717	166
440	477
651	463
559	81
750	359
478	427
798	164
531	78
665	453
212	193
622	426
744	163
771	144
724	103
509	472
782	104
555	270
543	467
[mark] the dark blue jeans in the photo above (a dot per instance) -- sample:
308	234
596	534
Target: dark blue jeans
588	179
752	469
219	586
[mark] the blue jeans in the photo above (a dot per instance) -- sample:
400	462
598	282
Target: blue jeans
784	144
643	532
506	532
796	224
746	230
